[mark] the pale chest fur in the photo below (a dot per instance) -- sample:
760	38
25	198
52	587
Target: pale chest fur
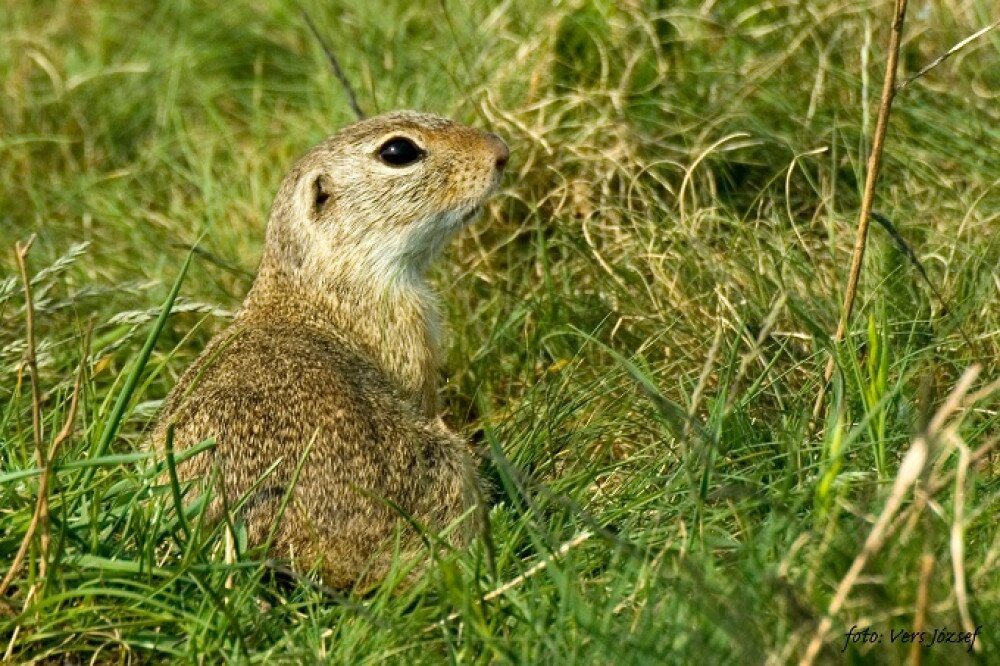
409	343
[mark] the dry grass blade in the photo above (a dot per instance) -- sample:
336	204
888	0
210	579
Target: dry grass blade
949	53
756	344
20	256
867	200
957	540
909	471
40	516
699	388
30	361
517	580
39	519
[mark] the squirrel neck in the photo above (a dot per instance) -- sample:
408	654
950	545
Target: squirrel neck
394	322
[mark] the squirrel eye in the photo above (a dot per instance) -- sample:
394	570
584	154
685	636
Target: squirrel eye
400	152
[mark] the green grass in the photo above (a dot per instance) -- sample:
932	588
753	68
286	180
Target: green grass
673	238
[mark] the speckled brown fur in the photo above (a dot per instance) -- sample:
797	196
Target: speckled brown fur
336	346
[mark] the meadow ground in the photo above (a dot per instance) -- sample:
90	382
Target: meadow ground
639	325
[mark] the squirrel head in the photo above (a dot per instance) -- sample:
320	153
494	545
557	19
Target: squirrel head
379	199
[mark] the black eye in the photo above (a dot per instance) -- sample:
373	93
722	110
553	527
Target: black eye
399	152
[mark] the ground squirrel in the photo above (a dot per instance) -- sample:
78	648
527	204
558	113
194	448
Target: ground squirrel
336	347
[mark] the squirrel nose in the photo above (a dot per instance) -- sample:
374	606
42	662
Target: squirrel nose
500	151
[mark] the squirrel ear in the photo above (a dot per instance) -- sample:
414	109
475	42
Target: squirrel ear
322	191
